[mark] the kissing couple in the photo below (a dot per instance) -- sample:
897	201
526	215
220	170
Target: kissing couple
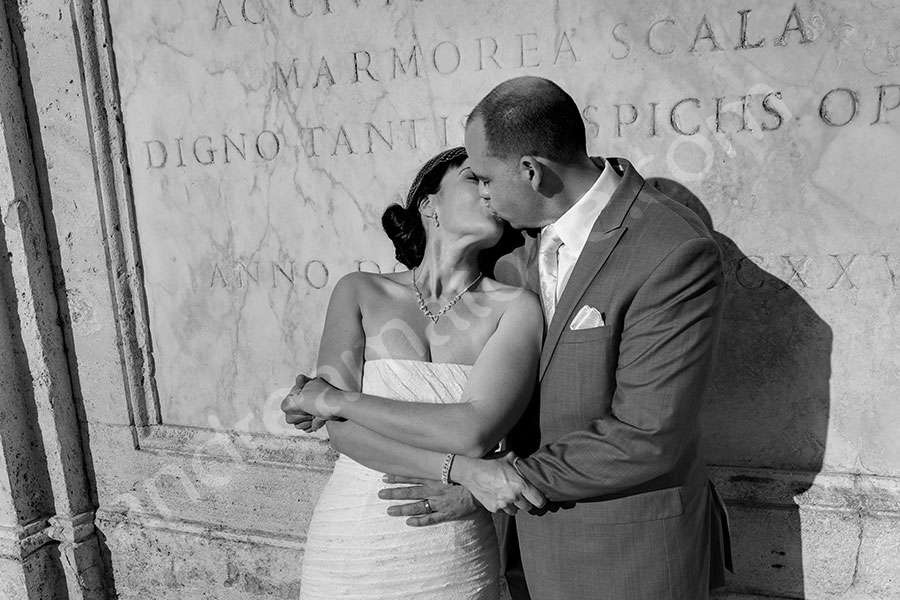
586	358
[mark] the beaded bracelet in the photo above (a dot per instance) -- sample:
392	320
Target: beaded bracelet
445	471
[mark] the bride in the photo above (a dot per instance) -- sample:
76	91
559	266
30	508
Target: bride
415	368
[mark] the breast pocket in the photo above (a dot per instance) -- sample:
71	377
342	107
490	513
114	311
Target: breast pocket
580	336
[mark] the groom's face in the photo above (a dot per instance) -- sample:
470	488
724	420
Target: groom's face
506	194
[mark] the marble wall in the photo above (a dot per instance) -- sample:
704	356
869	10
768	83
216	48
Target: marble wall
208	170
266	137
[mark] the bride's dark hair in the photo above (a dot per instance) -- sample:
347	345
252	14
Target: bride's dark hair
403	224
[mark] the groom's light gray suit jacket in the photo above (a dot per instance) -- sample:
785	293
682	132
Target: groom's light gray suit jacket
614	438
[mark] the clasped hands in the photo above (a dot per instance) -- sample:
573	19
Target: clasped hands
311	402
494	482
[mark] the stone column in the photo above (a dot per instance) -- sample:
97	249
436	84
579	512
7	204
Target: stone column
48	545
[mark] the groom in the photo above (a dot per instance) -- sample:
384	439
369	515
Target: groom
632	287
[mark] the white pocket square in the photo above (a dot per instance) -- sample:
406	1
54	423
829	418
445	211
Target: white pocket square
587	318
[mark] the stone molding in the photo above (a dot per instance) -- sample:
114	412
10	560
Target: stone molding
94	40
249	447
23	540
830	491
109	517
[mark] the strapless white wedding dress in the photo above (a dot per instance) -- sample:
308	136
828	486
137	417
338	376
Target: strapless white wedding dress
354	550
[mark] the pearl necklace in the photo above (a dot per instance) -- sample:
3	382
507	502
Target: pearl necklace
422	306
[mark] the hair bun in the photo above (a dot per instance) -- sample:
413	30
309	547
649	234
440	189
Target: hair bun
404	227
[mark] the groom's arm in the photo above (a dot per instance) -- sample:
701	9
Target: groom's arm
665	360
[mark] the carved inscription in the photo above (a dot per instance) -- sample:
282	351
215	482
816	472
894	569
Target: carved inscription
849	271
443	57
244	274
747	112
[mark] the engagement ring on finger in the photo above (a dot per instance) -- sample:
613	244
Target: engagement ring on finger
428	509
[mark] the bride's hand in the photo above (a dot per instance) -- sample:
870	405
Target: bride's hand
311	398
320	399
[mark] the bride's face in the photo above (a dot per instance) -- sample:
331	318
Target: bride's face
461	209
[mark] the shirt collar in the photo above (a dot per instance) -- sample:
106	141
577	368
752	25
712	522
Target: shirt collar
575	225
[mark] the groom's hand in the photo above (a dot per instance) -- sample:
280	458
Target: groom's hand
497	484
447	502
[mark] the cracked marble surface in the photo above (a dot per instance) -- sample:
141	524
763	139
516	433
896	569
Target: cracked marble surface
302	162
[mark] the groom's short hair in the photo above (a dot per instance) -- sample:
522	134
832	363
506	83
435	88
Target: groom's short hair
531	116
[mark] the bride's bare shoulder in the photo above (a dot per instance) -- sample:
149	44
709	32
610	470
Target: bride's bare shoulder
365	285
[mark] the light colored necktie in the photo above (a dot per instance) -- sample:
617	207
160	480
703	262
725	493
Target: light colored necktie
548	268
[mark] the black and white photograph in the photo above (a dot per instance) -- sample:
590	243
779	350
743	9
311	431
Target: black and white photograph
449	300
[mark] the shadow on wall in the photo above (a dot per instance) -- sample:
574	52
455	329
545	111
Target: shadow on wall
768	408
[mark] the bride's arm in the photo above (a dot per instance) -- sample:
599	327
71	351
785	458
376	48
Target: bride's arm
499	387
341	355
383	454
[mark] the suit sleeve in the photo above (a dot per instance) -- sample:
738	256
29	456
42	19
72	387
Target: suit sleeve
666	356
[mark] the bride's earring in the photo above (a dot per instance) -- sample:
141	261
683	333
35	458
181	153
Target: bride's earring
434	218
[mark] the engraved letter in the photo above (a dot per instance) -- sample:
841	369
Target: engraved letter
365	67
653	107
767	106
412	62
289	274
370	127
744	45
620	122
482	57
321	276
180	152
591	123
621	41
262	16
221	13
675	120
242	150
881	107
210	152
523	49
801	27
709	35
825	112
454	62
324	71
565	42
342	134
273	152
797	271
756	260
294	10
163	154
650	38
413	132
312	139
719	113
845	271
254	276
284	79
375	268
217	274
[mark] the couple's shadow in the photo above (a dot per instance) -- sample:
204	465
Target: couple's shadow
767	409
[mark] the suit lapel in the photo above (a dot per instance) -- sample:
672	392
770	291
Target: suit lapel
607	231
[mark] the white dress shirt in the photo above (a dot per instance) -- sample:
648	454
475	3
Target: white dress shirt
575	225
